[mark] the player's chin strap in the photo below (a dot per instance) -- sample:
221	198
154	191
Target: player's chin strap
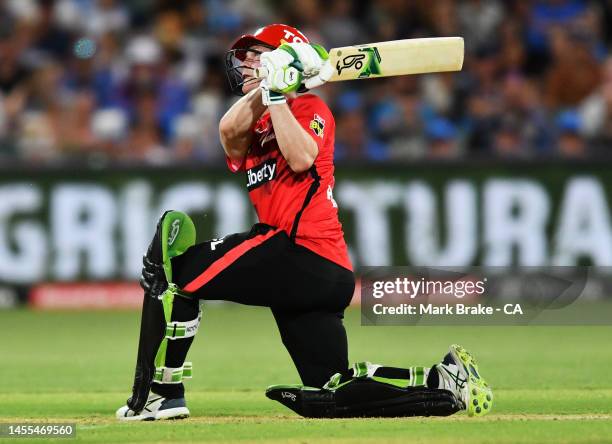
175	330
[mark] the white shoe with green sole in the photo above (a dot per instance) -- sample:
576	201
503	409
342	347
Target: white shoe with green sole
459	373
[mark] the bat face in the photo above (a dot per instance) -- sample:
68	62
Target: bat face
385	59
398	57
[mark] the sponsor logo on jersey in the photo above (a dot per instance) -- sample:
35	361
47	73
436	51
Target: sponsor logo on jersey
317	125
260	174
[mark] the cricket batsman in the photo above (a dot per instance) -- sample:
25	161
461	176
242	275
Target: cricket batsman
294	260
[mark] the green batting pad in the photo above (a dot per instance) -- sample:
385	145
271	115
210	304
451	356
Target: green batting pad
178	234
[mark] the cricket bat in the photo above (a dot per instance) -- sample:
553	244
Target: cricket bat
385	59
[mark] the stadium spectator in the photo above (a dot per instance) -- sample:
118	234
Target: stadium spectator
479	20
574	72
485	100
570	142
109	128
338	27
508	140
545	17
442	139
596	112
150	82
397	119
75	133
353	139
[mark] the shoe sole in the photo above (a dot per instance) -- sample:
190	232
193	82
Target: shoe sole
479	394
173	413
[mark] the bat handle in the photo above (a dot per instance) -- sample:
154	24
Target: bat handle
261	72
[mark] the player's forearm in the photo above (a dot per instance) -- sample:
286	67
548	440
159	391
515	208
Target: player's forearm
298	148
235	127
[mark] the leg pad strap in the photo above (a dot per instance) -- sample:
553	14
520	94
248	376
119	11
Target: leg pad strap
169	375
174	330
182	330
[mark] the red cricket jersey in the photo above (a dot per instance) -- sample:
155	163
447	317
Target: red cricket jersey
300	204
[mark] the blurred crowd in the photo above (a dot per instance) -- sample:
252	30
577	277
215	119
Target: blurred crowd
142	81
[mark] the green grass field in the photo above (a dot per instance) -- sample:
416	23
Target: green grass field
552	384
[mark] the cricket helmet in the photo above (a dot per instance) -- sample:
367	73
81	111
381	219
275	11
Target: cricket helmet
271	36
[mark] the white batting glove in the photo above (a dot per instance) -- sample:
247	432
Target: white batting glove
269	97
311	56
325	73
315	62
284	71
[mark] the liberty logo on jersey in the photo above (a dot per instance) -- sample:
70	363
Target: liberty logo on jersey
260	174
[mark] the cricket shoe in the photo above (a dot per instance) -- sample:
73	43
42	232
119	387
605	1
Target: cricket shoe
459	374
157	407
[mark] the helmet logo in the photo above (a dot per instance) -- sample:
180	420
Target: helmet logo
290	36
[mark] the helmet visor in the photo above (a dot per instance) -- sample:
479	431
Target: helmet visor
239	67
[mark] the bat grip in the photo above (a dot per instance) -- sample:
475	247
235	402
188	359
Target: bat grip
261	72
